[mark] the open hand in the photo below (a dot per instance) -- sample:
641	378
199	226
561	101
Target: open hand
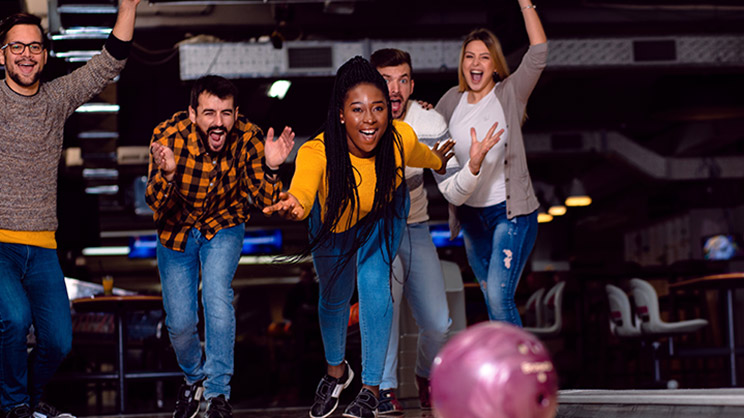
277	151
288	207
444	152
479	149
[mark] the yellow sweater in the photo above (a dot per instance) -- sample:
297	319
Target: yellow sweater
310	173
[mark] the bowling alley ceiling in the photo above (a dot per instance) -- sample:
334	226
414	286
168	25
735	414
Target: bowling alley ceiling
633	89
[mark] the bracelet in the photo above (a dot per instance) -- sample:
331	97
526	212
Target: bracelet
531	6
269	171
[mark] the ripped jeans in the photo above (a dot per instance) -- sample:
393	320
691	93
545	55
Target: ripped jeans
498	249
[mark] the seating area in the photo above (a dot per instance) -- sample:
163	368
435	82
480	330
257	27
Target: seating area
547	311
641	321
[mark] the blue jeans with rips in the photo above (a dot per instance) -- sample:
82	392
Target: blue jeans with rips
217	259
369	268
497	250
417	273
32	291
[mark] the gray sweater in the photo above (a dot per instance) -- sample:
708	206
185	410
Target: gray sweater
513	93
31	133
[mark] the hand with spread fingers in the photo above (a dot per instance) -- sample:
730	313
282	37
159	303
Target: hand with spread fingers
277	150
479	149
444	152
288	207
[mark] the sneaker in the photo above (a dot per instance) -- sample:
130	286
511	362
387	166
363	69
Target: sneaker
218	407
388	403
328	391
187	402
364	406
20	411
424	392
43	410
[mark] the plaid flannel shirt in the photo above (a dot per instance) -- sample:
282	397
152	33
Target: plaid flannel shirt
208	192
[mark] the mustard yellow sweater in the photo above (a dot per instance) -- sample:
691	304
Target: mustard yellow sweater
310	173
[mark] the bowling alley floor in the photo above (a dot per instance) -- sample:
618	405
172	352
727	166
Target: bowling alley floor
681	403
277	413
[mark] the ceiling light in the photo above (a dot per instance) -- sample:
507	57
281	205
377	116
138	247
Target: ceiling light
577	195
556	207
102	251
98	108
543	217
557	210
279	89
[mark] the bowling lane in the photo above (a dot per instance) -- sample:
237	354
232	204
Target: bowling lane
680	403
275	413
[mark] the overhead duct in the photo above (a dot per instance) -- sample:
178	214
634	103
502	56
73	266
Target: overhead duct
642	159
322	58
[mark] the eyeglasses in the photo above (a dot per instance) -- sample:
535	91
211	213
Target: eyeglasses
17	48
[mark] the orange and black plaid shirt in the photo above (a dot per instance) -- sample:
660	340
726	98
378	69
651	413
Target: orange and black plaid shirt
208	192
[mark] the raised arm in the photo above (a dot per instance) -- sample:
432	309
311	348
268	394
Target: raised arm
124	26
532	23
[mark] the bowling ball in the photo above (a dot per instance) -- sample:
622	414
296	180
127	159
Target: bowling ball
494	370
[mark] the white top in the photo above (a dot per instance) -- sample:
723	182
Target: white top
491	188
430	127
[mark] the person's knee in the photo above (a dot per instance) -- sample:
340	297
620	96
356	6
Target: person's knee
180	324
58	346
15	325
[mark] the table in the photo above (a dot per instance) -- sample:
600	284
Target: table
119	305
726	282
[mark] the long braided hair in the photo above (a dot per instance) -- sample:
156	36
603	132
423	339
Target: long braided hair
342	187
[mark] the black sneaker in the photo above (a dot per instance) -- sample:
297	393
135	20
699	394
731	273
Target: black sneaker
388	403
218	407
44	410
20	411
364	406
187	402
328	391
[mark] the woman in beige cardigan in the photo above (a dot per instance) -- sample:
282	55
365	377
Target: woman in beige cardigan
499	214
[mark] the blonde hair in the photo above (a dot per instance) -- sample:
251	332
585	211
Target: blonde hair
494	49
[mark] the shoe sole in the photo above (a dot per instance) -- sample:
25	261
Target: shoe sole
356	416
346	385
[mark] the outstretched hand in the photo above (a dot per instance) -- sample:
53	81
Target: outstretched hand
288	207
277	151
479	149
164	159
444	152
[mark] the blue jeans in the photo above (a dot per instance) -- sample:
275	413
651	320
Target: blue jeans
418	274
32	291
370	268
179	276
498	249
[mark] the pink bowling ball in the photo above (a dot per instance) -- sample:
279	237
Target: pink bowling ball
494	370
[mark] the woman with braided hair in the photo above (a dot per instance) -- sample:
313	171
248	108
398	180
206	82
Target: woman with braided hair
349	182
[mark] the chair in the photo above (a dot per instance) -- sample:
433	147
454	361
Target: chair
647	307
652	326
622	322
533	309
553	320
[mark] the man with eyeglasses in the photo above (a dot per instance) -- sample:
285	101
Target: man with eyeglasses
32	119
